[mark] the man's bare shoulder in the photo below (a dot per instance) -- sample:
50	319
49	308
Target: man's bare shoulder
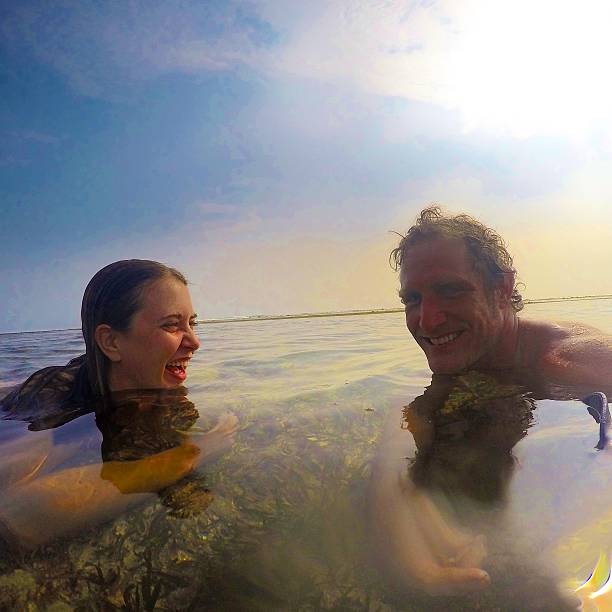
559	331
567	351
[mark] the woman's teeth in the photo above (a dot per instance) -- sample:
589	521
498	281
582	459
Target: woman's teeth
177	364
178	368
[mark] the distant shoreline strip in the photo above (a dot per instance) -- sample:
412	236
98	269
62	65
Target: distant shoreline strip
343	313
352	313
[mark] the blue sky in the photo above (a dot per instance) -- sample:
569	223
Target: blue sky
267	148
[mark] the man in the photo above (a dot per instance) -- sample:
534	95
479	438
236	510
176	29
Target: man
458	285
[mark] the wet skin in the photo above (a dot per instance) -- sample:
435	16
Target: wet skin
449	312
154	352
149	443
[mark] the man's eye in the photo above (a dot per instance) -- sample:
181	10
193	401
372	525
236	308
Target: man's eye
170	326
410	300
194	324
450	291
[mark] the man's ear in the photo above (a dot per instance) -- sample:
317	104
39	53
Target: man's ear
505	287
106	339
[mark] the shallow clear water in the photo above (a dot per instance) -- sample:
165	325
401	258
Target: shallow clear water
278	517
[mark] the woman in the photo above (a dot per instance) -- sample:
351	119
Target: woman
138	326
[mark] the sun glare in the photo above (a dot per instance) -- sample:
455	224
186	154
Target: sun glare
533	66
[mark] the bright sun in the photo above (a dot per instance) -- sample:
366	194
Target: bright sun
534	66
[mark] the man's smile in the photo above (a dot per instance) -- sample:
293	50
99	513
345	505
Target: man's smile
442	340
449	310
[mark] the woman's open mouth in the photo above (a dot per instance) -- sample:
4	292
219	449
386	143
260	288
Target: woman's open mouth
178	369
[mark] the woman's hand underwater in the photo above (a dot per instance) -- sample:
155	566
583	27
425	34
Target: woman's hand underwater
161	470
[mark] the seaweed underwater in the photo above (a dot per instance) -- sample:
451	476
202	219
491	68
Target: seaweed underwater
276	522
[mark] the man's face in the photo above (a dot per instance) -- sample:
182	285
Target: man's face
448	310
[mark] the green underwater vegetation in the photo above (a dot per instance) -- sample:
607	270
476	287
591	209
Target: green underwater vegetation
275	523
279	522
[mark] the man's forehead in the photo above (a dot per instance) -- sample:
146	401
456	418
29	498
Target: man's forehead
437	259
436	251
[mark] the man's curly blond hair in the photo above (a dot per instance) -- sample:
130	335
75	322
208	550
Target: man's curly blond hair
485	246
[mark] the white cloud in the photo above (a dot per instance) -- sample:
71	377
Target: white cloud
513	68
385	48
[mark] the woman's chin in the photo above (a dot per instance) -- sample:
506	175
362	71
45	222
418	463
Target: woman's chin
167	380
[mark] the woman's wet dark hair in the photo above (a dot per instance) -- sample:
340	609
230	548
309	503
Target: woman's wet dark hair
112	297
57	394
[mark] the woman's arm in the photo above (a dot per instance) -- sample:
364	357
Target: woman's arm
39	510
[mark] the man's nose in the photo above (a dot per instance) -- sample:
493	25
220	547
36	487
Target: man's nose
431	315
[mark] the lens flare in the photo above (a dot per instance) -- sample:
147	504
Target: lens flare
596	592
531	67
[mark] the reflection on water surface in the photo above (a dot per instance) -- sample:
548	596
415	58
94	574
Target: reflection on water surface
277	518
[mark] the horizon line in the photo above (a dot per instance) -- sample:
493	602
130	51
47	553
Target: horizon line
315	315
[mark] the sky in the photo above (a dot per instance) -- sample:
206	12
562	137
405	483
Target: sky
269	149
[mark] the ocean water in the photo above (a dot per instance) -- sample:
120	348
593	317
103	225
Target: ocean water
278	515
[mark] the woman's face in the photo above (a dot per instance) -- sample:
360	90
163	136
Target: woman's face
153	353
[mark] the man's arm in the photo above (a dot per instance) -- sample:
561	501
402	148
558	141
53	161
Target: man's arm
573	354
418	546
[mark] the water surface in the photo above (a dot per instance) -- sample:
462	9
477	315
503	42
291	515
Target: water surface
279	519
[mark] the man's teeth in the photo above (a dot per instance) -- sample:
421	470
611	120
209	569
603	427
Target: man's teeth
443	339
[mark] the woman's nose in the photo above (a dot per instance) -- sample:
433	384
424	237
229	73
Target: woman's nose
191	340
